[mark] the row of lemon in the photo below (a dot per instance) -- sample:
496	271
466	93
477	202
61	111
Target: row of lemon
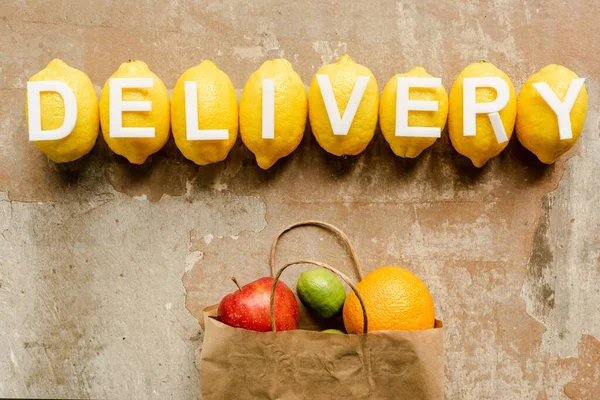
536	123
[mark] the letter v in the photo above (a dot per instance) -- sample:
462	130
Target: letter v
341	125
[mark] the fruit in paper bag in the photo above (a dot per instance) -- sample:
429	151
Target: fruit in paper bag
137	150
321	292
537	123
395	299
484	145
335	331
217	109
84	134
291	108
411	147
249	307
343	75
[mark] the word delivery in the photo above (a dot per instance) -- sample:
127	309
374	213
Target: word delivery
343	105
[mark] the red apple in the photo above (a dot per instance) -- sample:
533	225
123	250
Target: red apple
249	307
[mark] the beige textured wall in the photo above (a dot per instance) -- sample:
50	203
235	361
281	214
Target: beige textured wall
105	266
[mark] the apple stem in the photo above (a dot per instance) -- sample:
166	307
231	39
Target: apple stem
236	282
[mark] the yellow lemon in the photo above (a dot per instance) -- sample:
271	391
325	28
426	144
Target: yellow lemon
484	145
289	113
411	147
343	76
83	136
217	109
537	123
137	150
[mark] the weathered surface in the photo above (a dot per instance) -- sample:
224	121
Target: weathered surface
105	265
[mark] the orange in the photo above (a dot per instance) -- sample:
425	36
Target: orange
395	299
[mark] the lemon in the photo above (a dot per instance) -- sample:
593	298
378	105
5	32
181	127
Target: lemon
84	134
343	75
290	112
484	145
537	123
137	150
411	147
321	292
217	109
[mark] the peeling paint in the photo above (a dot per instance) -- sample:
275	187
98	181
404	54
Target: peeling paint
561	288
192	259
329	51
540	293
208	238
251	53
586	385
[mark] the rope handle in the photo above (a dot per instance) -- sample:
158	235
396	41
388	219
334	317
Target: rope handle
325	226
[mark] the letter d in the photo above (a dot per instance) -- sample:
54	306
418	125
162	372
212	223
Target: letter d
34	110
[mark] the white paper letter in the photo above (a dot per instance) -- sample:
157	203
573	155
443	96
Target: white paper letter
562	110
34	110
191	117
341	125
117	106
404	105
268	108
471	108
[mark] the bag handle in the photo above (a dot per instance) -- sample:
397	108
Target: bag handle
323	225
322	265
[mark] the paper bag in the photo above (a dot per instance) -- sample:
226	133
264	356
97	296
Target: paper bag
306	364
241	364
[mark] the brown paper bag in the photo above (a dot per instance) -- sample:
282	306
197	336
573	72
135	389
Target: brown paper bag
303	364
